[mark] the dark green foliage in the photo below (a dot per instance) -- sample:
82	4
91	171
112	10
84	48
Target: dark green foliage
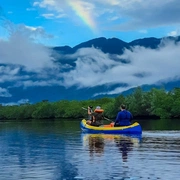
175	109
138	103
118	101
161	103
109	108
156	102
44	110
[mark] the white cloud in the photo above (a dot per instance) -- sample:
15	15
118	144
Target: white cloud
9	70
4	92
21	101
39	83
145	14
48	16
32	28
53	16
93	67
33	32
132	14
113	18
30	9
85	10
11	73
147	66
174	33
21	54
50	5
144	31
8	73
30	55
20	49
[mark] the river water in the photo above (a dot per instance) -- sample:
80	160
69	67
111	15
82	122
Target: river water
57	150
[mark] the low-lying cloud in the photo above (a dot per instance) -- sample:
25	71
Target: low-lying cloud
147	66
20	49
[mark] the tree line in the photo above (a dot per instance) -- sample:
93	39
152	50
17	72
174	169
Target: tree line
155	103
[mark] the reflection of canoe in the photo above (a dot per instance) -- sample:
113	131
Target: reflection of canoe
109	138
134	128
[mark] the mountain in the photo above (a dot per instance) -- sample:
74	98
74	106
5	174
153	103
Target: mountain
115	45
112	46
64	55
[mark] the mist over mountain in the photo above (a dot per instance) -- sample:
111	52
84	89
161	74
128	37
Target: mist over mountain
96	68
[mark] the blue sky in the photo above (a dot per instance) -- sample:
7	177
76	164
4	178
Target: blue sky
70	22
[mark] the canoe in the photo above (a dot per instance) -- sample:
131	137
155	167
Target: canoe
134	128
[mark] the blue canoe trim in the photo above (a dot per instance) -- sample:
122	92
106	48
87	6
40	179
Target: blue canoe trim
134	128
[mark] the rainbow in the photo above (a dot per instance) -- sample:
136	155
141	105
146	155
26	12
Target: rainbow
85	15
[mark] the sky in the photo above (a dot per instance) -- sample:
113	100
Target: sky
70	22
29	27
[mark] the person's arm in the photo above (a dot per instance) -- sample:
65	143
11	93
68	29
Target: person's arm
89	111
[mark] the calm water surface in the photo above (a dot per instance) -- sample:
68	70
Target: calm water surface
57	150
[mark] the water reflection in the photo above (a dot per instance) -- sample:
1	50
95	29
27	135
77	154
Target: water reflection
96	145
124	144
57	150
30	150
97	142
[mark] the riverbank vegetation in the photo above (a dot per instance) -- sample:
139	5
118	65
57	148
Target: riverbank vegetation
156	102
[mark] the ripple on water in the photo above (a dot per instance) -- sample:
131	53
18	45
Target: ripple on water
52	154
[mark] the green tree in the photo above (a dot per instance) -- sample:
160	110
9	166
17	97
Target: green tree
44	110
137	102
109	110
161	103
176	102
60	108
118	101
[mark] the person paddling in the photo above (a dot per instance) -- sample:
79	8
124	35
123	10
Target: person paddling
124	117
97	117
90	113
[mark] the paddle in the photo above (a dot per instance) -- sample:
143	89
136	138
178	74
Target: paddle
104	117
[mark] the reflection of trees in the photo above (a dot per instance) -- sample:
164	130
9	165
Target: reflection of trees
160	124
125	145
36	152
96	145
65	169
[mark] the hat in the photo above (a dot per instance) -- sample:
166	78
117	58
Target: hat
98	109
